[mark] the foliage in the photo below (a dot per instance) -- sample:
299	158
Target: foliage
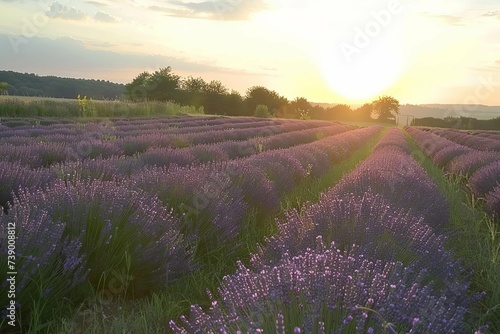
259	95
162	85
341	112
298	109
84	107
29	84
87	108
216	99
3	88
365	112
262	111
386	108
464	123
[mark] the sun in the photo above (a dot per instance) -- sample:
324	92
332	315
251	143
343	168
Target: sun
360	74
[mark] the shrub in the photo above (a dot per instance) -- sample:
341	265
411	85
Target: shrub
50	266
120	230
485	179
262	111
327	290
493	202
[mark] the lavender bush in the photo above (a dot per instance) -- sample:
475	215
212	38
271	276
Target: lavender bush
332	291
443	157
211	206
485	179
13	176
51	267
380	229
119	230
493	202
469	163
399	179
463	138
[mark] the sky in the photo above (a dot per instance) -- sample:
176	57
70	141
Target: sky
324	50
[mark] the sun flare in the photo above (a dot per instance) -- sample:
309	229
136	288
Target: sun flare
363	75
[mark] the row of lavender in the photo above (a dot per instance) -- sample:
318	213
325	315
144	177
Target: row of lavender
489	134
43	151
482	168
126	127
369	257
134	128
146	227
108	131
16	170
487	142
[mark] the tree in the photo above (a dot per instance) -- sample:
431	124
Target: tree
162	85
364	113
234	104
194	85
137	90
259	95
386	107
3	88
262	111
339	112
193	91
298	108
216	87
215	98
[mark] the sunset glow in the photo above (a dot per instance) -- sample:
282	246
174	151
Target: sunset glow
423	52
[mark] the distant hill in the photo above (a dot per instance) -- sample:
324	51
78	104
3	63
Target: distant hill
29	84
450	110
441	110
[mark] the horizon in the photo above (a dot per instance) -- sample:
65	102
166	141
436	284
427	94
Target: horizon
312	102
343	54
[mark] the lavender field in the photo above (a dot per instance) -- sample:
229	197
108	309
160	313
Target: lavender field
247	225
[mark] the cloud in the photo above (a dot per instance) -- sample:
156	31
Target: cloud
96	3
227	10
74	58
58	10
492	13
450	19
104	17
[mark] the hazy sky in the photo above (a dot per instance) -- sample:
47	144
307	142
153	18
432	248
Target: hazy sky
419	51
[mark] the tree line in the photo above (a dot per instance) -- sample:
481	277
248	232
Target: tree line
213	96
462	123
217	99
30	84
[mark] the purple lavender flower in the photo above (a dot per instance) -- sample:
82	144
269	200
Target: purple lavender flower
331	286
14	176
493	201
443	157
485	179
463	138
469	163
393	174
369	221
140	229
49	265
